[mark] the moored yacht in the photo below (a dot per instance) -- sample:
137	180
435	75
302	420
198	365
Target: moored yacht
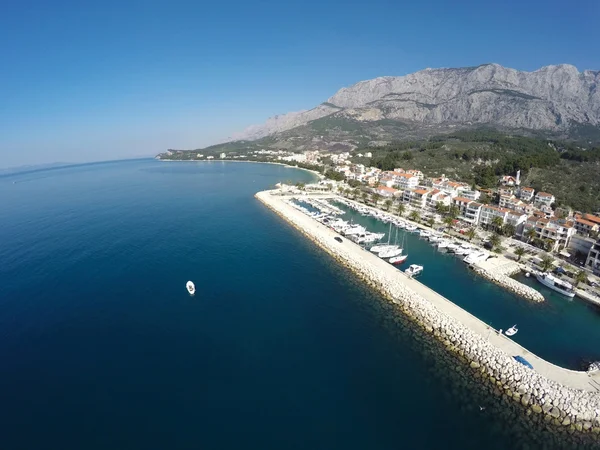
476	256
556	284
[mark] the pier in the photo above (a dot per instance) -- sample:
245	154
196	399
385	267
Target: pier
565	398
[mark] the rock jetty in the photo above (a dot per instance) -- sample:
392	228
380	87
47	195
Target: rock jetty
565	401
500	270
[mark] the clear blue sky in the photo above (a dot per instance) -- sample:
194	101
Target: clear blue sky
83	81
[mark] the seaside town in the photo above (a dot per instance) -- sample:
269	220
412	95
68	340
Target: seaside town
511	219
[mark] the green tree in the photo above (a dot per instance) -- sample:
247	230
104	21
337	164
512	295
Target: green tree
495	240
453	211
508	230
547	263
431	222
388	204
365	197
471	233
400	209
531	234
497	223
580	277
449	221
441	208
300	185
519	251
376	197
414	216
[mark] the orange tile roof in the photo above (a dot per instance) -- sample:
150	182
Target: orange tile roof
421	191
592	218
405	175
475	205
543	194
462	199
386	189
528	189
435	191
586	222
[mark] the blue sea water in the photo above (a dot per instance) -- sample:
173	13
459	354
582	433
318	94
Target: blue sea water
102	347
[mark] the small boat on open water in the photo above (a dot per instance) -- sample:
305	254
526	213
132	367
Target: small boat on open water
190	287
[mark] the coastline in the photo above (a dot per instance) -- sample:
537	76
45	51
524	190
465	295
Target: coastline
567	399
317	174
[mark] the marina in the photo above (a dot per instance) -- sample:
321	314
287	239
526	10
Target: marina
546	391
562	332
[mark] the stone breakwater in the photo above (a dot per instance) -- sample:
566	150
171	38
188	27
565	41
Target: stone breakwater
501	275
565	400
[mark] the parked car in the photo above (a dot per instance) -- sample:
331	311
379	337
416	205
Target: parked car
337	238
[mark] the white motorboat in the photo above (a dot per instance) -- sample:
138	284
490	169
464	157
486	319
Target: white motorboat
398	259
556	284
511	331
424	234
413	270
411	228
190	287
443	243
452	247
476	256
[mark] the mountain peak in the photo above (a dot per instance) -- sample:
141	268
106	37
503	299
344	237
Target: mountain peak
550	98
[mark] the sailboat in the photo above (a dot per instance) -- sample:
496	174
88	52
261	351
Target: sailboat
400	258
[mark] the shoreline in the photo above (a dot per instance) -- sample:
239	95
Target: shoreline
567	399
319	176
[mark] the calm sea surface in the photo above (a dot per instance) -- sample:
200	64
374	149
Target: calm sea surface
281	348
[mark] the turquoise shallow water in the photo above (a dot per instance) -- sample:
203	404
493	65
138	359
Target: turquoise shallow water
102	347
562	331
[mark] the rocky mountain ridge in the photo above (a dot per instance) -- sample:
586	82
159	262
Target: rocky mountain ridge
552	99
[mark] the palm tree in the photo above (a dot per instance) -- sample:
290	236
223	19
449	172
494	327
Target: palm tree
400	209
453	211
508	230
387	204
547	263
471	233
449	221
495	240
355	193
519	251
376	197
497	223
581	277
414	216
531	234
440	207
365	197
431	222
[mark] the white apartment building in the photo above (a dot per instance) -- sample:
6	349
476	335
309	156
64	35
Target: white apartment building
473	213
471	195
543	198
558	231
593	259
526	193
406	180
488	213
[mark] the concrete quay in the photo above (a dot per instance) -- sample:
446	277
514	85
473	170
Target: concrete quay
565	399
